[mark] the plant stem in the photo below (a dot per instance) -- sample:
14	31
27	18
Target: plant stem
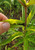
25	38
21	2
25	16
25	44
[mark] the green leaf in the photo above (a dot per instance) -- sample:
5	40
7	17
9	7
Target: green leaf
31	2
6	47
25	43
16	26
24	2
31	48
11	38
1	0
7	3
9	48
31	14
0	48
31	38
1	10
18	43
13	21
23	15
30	30
33	22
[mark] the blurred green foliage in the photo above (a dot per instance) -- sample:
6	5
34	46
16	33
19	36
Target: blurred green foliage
11	38
9	8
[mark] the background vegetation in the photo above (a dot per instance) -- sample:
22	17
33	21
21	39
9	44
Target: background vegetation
15	10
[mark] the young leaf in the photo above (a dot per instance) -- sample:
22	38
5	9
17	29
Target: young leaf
13	21
11	38
31	15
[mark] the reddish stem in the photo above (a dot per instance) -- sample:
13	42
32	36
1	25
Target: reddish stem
25	16
22	3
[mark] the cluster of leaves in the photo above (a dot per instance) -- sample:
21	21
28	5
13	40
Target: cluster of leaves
27	36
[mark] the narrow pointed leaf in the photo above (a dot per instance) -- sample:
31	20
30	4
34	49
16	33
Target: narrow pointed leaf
13	21
1	10
11	38
25	43
31	38
6	2
19	42
31	28
33	22
31	14
24	2
31	48
29	32
23	15
16	26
